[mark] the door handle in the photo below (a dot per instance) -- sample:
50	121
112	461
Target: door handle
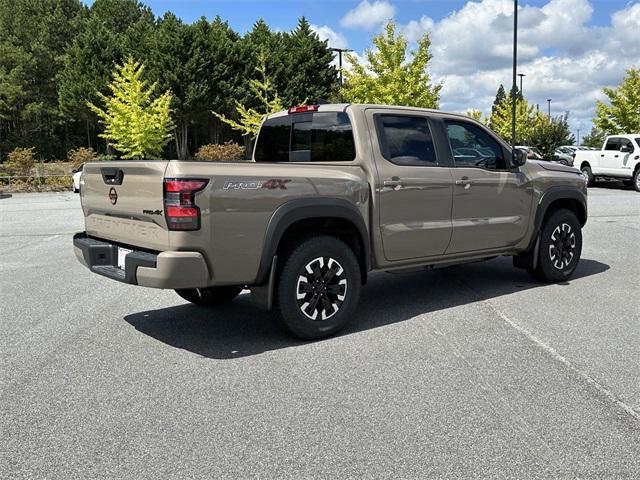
616	156
602	154
394	182
464	181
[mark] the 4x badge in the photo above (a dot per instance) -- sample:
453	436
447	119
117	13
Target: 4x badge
272	184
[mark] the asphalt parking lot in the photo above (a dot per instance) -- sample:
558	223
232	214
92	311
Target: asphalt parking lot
474	371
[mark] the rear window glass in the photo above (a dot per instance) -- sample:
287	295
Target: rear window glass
317	137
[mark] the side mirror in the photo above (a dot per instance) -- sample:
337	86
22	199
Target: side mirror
626	148
518	157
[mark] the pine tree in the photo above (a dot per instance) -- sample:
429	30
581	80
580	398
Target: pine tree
264	91
308	63
136	123
390	78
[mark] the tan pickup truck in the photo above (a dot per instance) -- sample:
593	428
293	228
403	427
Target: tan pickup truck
333	193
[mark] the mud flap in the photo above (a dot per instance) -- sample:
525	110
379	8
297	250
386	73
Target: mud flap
262	295
529	259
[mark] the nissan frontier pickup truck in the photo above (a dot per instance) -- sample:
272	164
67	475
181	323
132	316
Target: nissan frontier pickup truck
334	193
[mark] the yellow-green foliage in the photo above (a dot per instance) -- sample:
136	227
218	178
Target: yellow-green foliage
136	123
477	115
623	113
390	78
526	119
264	91
20	161
81	155
212	152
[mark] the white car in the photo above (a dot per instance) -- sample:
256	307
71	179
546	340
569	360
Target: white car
619	159
75	179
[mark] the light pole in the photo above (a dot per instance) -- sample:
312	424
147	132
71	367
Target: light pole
521	75
578	143
549	107
515	64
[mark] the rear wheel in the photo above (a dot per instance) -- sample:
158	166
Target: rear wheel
588	175
560	247
318	287
209	296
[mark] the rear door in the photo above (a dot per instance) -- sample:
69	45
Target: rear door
123	201
491	202
414	185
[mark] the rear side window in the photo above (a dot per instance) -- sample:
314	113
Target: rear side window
613	144
273	140
406	140
316	137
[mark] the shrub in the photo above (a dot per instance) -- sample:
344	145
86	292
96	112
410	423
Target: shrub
226	152
81	155
20	161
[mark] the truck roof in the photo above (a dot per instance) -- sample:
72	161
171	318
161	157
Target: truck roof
341	107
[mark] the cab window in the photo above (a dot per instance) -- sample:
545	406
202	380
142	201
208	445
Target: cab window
406	140
613	144
473	147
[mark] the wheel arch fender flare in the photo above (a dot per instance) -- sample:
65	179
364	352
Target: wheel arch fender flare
309	208
554	194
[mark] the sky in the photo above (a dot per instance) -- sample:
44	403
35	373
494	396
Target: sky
568	49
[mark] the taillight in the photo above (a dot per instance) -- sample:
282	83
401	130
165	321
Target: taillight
180	209
304	109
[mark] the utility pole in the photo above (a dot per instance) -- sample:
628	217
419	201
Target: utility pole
549	107
521	75
515	64
340	52
578	137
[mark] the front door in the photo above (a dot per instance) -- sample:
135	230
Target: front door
414	187
611	157
491	202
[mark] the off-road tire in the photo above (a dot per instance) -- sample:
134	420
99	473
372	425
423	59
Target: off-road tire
588	174
560	247
210	296
318	287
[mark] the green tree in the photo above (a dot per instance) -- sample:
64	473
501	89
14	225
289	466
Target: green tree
477	115
263	89
389	77
595	138
137	124
310	74
526	119
500	98
109	32
622	115
548	134
33	37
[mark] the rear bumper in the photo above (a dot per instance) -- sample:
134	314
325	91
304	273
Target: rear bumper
169	270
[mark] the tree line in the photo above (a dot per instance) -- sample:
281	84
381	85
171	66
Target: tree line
57	57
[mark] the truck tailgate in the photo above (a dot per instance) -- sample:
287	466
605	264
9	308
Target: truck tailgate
123	201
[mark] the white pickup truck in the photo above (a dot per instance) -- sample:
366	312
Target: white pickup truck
619	158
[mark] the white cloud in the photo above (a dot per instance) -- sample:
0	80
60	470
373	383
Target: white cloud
564	58
368	15
415	29
334	39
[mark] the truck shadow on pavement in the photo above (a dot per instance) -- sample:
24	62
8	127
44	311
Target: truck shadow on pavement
241	328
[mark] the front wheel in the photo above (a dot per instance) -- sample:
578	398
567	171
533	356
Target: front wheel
560	247
318	287
209	296
588	175
636	180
